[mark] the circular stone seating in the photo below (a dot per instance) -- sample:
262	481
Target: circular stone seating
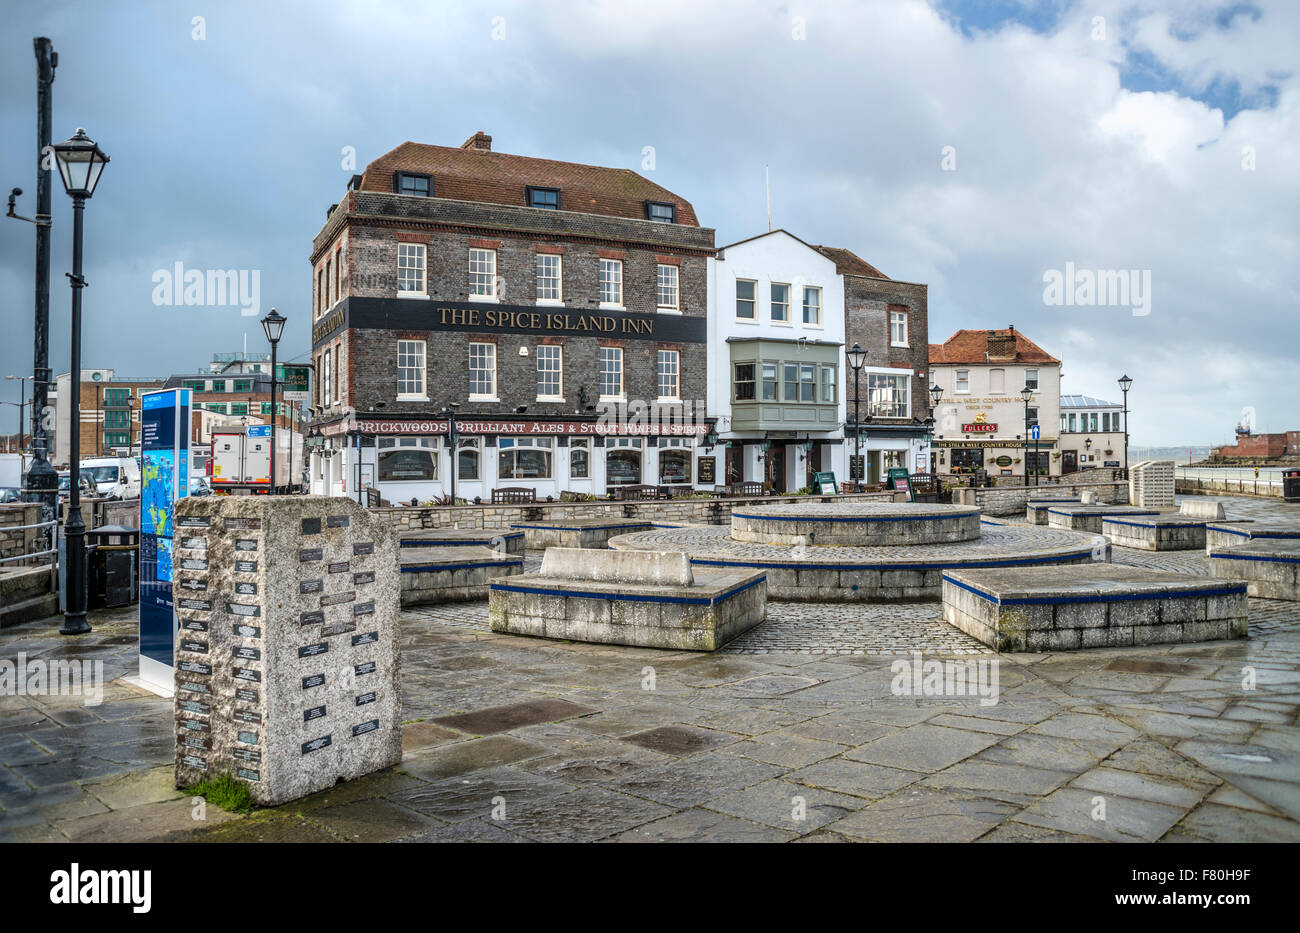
875	572
864	524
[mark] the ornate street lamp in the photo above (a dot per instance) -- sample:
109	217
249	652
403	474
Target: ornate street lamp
857	358
1125	383
273	326
936	396
81	162
1027	394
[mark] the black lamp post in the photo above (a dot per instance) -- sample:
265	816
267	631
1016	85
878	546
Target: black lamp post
273	325
1026	393
936	396
857	358
1125	383
450	412
81	162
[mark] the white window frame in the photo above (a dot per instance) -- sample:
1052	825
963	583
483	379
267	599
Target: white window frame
773	304
583	444
959	377
406	352
468	444
546	259
512	442
406	254
753	302
1036	384
327	385
609	354
810	290
899	391
898	322
667	292
482	267
545	352
674	359
490	355
610	277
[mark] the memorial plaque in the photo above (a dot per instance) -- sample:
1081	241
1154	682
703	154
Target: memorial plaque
257	696
194	563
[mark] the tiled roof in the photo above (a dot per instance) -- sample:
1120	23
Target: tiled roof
989	346
474	174
849	263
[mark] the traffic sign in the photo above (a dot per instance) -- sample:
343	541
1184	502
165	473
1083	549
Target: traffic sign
1034	433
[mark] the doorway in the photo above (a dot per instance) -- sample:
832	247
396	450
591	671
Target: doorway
1069	461
734	471
774	468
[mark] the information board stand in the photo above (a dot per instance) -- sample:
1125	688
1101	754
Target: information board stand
899	481
824	483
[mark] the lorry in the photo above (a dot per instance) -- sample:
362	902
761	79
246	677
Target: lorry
241	460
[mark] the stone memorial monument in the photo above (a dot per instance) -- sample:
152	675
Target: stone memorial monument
287	658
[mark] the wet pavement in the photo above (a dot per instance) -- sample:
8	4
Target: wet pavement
803	738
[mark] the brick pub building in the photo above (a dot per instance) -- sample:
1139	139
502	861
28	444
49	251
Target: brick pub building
553	312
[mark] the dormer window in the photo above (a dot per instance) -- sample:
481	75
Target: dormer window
413	183
661	212
545	198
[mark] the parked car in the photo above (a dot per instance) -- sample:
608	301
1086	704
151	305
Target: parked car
11	494
88	488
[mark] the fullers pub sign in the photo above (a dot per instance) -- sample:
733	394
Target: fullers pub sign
980	427
474	317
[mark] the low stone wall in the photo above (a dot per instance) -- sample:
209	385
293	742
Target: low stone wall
1271	568
578	533
693	511
15	540
1263	488
452	574
1155	533
1151	483
1011	500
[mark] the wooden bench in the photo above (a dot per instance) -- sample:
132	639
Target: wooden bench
926	486
635	493
740	490
513	495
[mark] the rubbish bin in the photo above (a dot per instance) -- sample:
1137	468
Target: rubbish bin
1291	485
112	564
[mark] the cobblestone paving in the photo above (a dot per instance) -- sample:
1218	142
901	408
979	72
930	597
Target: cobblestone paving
1184	743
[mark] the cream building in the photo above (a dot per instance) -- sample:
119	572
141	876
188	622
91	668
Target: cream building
1092	433
983	421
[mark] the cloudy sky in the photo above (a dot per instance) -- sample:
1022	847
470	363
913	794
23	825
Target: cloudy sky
974	146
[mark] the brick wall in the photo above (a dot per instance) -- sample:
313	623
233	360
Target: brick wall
867	303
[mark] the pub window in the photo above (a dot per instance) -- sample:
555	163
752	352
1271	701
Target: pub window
483	371
467	457
611	283
790	377
1094	422
483	273
407	459
550	372
579	458
1031	415
769	382
545	198
887	395
328	390
812	306
898	328
524	457
548	277
744	382
410	368
745	300
412	183
410	269
661	212
611	372
622	461
1073	422
667	287
807	383
669	375
963	381
828	383
675	461
1031	378
780	303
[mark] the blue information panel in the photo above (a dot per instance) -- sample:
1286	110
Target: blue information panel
164	474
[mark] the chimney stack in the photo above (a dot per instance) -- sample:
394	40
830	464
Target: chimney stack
480	141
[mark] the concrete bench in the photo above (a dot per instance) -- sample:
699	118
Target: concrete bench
1243	531
1154	532
652	599
504	542
432	575
1271	568
1036	508
1089	517
579	532
1211	509
1091	606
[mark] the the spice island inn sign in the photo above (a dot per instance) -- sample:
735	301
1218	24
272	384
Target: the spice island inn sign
476	318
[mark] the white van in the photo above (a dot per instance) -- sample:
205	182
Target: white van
115	477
